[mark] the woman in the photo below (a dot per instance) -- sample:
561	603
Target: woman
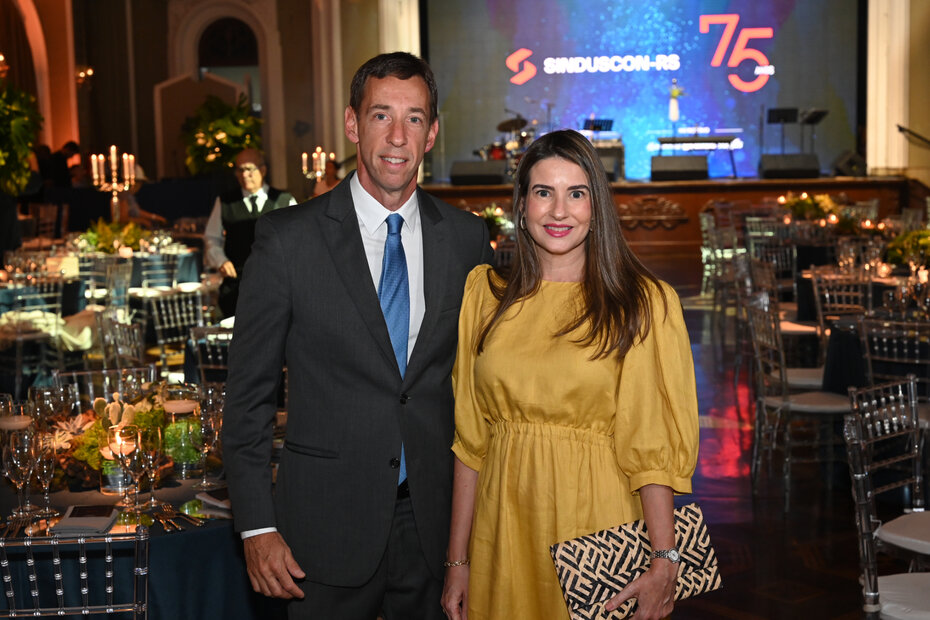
575	401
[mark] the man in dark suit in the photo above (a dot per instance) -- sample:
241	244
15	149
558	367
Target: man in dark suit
360	512
231	228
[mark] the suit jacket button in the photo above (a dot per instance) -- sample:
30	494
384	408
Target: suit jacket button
403	399
395	463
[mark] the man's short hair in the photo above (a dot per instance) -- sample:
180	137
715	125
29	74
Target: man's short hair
401	65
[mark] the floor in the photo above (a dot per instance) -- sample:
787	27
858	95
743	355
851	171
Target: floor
802	564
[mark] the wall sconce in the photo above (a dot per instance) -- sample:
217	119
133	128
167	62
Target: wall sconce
84	74
4	67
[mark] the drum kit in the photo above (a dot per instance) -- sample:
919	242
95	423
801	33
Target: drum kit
516	135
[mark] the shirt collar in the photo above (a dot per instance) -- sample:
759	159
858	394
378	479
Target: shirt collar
262	193
373	214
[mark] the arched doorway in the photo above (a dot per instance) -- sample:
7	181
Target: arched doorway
228	48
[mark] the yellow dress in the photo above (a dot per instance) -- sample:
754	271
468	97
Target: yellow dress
561	442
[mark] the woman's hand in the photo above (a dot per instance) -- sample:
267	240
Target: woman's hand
455	593
654	591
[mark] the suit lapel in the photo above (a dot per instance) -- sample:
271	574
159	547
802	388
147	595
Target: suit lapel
435	259
345	245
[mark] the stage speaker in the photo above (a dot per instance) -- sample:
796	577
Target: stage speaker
612	167
679	167
850	164
794	166
491	172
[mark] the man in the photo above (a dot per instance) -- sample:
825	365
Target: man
360	512
231	227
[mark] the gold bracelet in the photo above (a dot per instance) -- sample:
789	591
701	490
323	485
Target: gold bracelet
464	562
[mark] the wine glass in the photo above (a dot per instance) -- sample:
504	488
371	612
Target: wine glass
46	460
122	442
204	429
182	405
49	402
150	447
19	459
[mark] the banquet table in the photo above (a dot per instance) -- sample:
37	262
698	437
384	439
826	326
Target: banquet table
196	573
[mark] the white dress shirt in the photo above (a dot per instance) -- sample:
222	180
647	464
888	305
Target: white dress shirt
214	256
372	224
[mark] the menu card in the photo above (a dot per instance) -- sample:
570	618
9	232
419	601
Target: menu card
86	520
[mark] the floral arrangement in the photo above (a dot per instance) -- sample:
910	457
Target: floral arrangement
217	133
913	245
496	220
110	237
82	439
808	207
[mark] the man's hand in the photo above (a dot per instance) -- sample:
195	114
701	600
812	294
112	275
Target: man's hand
228	270
271	566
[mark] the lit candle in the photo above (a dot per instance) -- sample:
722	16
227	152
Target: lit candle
867	224
101	170
132	169
125	167
303	162
93	169
832	218
120	446
125	251
782	200
114	163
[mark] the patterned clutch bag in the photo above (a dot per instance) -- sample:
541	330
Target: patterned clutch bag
595	567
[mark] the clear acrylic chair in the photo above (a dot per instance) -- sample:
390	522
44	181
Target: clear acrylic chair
159	270
895	349
801	421
122	341
174	314
75	575
32	330
882	436
88	385
212	346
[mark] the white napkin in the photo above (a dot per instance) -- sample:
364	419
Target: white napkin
86	520
218	498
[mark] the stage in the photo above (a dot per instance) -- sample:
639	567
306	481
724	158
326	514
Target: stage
662	216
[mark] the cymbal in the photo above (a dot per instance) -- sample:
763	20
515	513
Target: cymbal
512	124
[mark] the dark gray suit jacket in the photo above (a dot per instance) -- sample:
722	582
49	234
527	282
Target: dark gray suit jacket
308	299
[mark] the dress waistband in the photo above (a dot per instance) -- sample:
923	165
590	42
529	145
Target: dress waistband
584	435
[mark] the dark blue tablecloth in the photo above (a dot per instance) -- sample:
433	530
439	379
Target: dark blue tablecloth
197	573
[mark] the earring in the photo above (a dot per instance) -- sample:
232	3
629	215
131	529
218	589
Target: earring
523	221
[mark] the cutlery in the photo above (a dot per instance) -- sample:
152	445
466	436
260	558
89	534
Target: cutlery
171	513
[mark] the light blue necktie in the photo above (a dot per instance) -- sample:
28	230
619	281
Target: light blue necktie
394	295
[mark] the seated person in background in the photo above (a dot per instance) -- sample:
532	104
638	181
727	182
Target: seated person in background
329	180
231	227
129	209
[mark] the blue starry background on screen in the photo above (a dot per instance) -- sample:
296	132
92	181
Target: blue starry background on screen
610	59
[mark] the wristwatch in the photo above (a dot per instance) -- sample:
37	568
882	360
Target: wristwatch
671	555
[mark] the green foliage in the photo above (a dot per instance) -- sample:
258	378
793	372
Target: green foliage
915	243
87	445
109	237
20	123
217	133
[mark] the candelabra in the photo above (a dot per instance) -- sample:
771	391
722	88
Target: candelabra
114	185
318	170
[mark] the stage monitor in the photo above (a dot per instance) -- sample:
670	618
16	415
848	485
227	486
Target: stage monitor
598	124
782	116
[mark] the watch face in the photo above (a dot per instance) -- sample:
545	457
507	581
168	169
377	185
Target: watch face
673	555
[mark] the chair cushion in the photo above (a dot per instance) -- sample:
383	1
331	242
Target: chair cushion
923	415
804	378
909	531
905	596
812	402
796	329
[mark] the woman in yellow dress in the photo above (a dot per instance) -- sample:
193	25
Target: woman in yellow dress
575	399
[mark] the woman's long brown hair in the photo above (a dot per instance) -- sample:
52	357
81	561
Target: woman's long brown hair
616	309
